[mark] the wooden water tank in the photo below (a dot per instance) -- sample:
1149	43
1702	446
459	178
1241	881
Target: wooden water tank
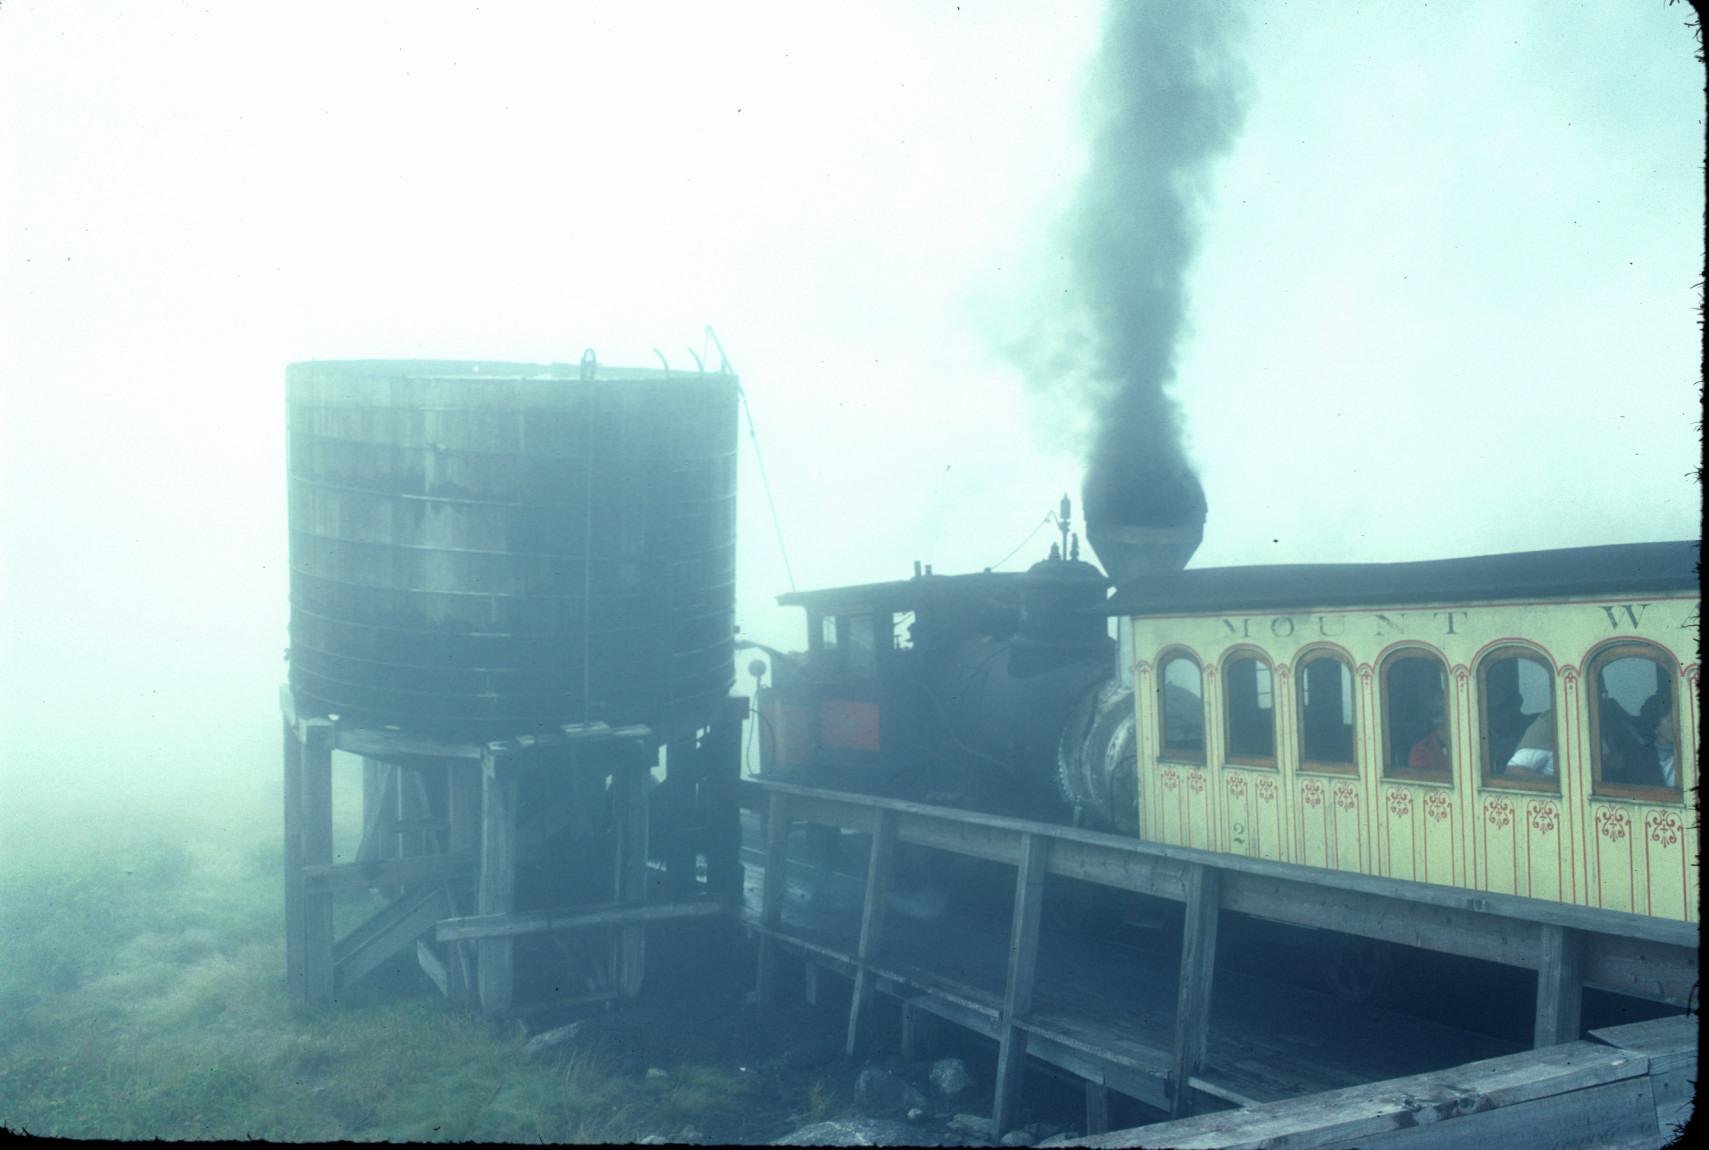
483	550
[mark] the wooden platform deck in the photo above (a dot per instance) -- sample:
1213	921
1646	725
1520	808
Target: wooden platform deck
1106	1012
1143	1022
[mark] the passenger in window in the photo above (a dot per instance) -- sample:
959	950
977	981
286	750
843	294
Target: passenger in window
1628	742
1506	720
1657	719
1430	752
1535	754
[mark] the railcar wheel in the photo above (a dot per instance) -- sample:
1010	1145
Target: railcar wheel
1353	969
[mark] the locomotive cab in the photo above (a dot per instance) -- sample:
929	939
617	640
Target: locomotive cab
945	688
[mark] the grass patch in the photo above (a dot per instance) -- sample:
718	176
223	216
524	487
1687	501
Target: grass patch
142	996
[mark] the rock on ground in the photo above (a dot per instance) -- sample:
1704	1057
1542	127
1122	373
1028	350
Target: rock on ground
884	1091
950	1077
852	1132
550	1044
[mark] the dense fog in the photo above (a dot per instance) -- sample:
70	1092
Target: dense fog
1437	294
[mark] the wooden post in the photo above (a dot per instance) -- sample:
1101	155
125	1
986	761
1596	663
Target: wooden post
464	815
721	760
772	889
673	804
810	982
1560	986
1018	985
1193	997
496	887
629	795
293	764
316	826
373	794
871	927
1097	1108
916	1031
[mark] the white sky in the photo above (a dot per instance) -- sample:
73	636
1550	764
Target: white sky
1444	305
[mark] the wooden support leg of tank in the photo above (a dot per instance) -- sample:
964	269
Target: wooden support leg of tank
772	888
629	794
724	813
316	831
1560	986
496	887
1097	1108
293	764
1193	992
463	803
373	787
871	928
1018	984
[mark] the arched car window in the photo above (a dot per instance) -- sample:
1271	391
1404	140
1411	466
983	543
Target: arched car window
1516	702
1182	707
1250	710
1325	685
1634	724
1415	717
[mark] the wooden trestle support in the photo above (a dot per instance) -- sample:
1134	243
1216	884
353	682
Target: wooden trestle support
1569	947
441	828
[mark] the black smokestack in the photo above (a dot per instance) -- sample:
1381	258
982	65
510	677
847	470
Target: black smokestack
1166	96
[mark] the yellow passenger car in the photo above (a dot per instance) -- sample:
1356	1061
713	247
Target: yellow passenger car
1523	723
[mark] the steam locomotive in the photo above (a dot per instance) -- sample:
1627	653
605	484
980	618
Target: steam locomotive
1001	691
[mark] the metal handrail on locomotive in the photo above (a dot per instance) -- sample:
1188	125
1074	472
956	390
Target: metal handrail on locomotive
1522	723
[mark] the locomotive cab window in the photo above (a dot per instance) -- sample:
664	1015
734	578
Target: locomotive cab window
1326	713
861	653
1182	707
1416	741
1634	727
1516	697
1250	711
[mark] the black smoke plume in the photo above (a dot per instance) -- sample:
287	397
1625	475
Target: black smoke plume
1166	97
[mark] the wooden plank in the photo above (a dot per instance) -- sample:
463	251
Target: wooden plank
872	916
1018	981
1646	969
1097	1108
1655	1037
317	849
495	890
395	928
1560	986
382	744
1193	992
293	796
1361	1115
629	796
1444	929
518	923
432	966
397	872
810	982
773	886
